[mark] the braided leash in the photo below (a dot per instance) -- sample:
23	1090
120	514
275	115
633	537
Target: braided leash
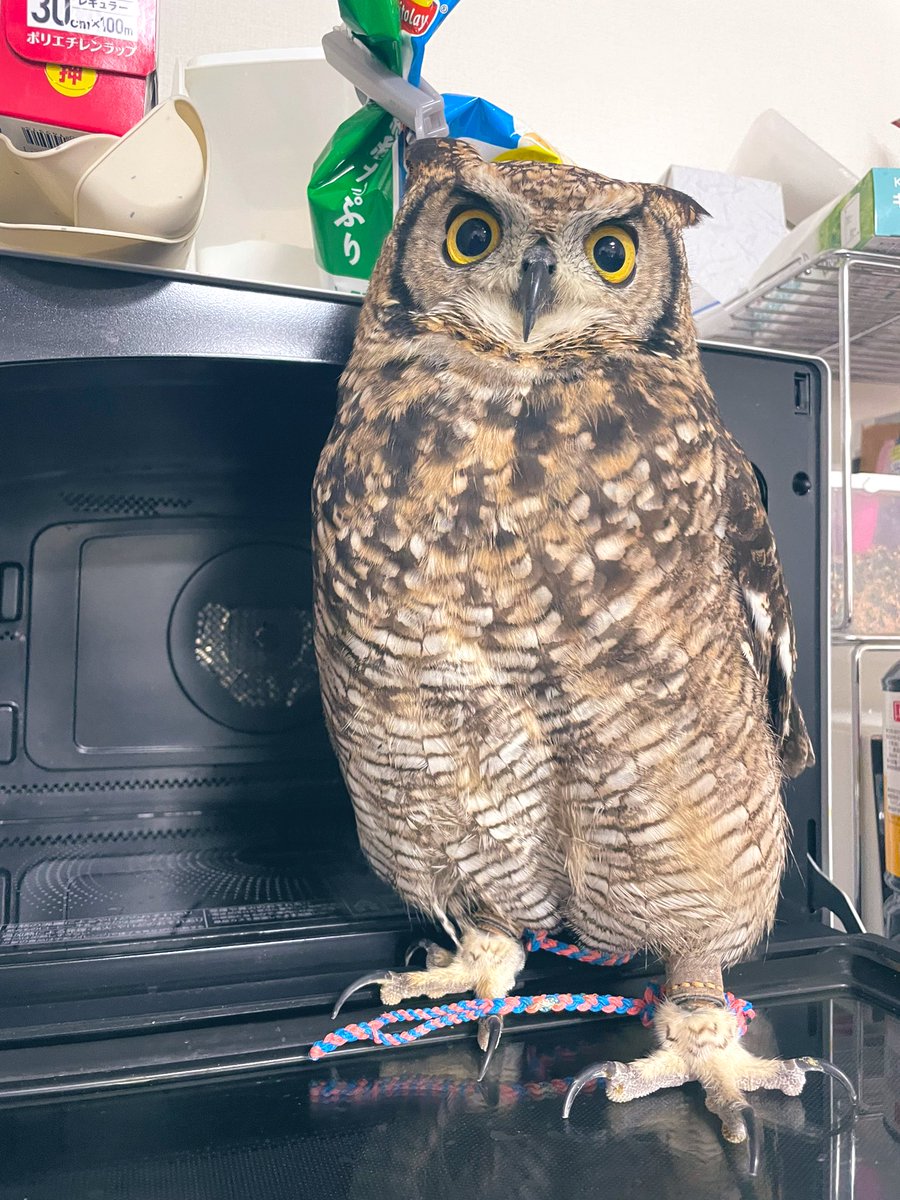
540	939
462	1011
443	1015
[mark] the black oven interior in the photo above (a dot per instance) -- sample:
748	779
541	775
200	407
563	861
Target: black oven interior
164	768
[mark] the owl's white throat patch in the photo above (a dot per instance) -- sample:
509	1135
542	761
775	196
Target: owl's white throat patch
500	320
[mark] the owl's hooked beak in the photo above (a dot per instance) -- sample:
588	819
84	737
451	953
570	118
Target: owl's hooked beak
536	288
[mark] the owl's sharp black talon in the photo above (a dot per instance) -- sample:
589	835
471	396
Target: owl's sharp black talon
828	1068
494	1027
366	980
412	950
754	1139
588	1075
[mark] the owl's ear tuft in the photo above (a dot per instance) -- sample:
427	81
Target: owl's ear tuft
451	154
691	211
679	206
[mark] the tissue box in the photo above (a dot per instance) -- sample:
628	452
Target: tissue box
74	66
745	223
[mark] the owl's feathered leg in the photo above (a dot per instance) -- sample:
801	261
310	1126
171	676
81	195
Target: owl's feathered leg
698	1040
485	963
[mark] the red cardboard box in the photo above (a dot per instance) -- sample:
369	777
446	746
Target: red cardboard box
74	66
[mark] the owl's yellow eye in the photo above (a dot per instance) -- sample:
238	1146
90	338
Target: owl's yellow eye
612	251
472	235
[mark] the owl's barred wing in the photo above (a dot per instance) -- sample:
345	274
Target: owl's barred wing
771	644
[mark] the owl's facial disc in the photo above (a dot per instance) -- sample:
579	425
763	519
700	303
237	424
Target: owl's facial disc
540	261
536	289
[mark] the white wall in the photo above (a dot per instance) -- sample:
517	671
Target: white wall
627	88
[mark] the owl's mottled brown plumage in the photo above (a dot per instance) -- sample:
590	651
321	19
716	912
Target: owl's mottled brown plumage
555	645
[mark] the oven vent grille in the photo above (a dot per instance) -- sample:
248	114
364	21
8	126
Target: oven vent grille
148	785
35	841
123	505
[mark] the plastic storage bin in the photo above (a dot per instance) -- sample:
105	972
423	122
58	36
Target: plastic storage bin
268	115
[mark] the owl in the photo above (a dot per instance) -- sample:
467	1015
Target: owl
555	645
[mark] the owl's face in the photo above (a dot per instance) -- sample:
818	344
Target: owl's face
533	257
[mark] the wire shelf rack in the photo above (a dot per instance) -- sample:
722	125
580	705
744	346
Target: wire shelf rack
843	306
804	310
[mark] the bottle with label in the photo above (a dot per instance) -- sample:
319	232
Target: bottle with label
890	686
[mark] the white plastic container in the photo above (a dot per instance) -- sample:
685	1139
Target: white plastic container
810	177
135	199
267	115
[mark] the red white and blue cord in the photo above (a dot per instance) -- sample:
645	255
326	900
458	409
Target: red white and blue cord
442	1016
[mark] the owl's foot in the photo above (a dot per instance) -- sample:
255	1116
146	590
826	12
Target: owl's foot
485	963
701	1043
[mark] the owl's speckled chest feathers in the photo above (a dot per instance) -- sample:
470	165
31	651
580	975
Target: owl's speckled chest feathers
507	529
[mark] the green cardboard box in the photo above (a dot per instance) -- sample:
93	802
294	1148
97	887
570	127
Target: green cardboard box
868	217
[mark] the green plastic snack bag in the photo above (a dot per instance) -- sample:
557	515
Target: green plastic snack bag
351	196
358	179
377	22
